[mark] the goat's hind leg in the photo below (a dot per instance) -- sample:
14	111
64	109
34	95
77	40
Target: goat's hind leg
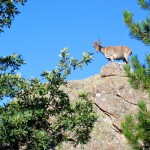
126	59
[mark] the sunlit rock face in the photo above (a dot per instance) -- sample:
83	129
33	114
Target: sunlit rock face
113	69
113	98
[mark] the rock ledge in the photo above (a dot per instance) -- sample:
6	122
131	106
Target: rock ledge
113	69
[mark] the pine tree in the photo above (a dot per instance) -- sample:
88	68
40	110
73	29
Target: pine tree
40	115
139	30
137	129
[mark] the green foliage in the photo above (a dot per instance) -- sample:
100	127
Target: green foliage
140	77
83	119
9	81
137	131
144	4
41	115
13	61
140	31
129	130
137	128
8	10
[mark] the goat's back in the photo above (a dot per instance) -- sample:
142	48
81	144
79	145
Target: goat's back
110	50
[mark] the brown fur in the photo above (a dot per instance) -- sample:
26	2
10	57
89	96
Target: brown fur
114	52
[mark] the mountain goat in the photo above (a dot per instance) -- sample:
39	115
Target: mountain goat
114	52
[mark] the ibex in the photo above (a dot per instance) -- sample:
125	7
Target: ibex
114	52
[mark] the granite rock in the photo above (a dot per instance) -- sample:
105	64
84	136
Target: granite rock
114	98
113	69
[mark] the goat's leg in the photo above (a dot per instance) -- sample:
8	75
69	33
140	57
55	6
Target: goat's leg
111	59
126	59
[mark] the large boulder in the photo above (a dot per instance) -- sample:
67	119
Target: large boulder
113	69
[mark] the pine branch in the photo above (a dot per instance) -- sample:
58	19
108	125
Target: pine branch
140	31
144	4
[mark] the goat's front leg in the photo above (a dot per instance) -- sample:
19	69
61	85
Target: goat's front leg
111	59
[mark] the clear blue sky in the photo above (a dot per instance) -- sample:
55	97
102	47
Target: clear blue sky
45	27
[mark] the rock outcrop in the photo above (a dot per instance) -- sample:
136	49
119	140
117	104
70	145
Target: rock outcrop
113	69
114	98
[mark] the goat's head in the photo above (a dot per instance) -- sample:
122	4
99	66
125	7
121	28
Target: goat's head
97	45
